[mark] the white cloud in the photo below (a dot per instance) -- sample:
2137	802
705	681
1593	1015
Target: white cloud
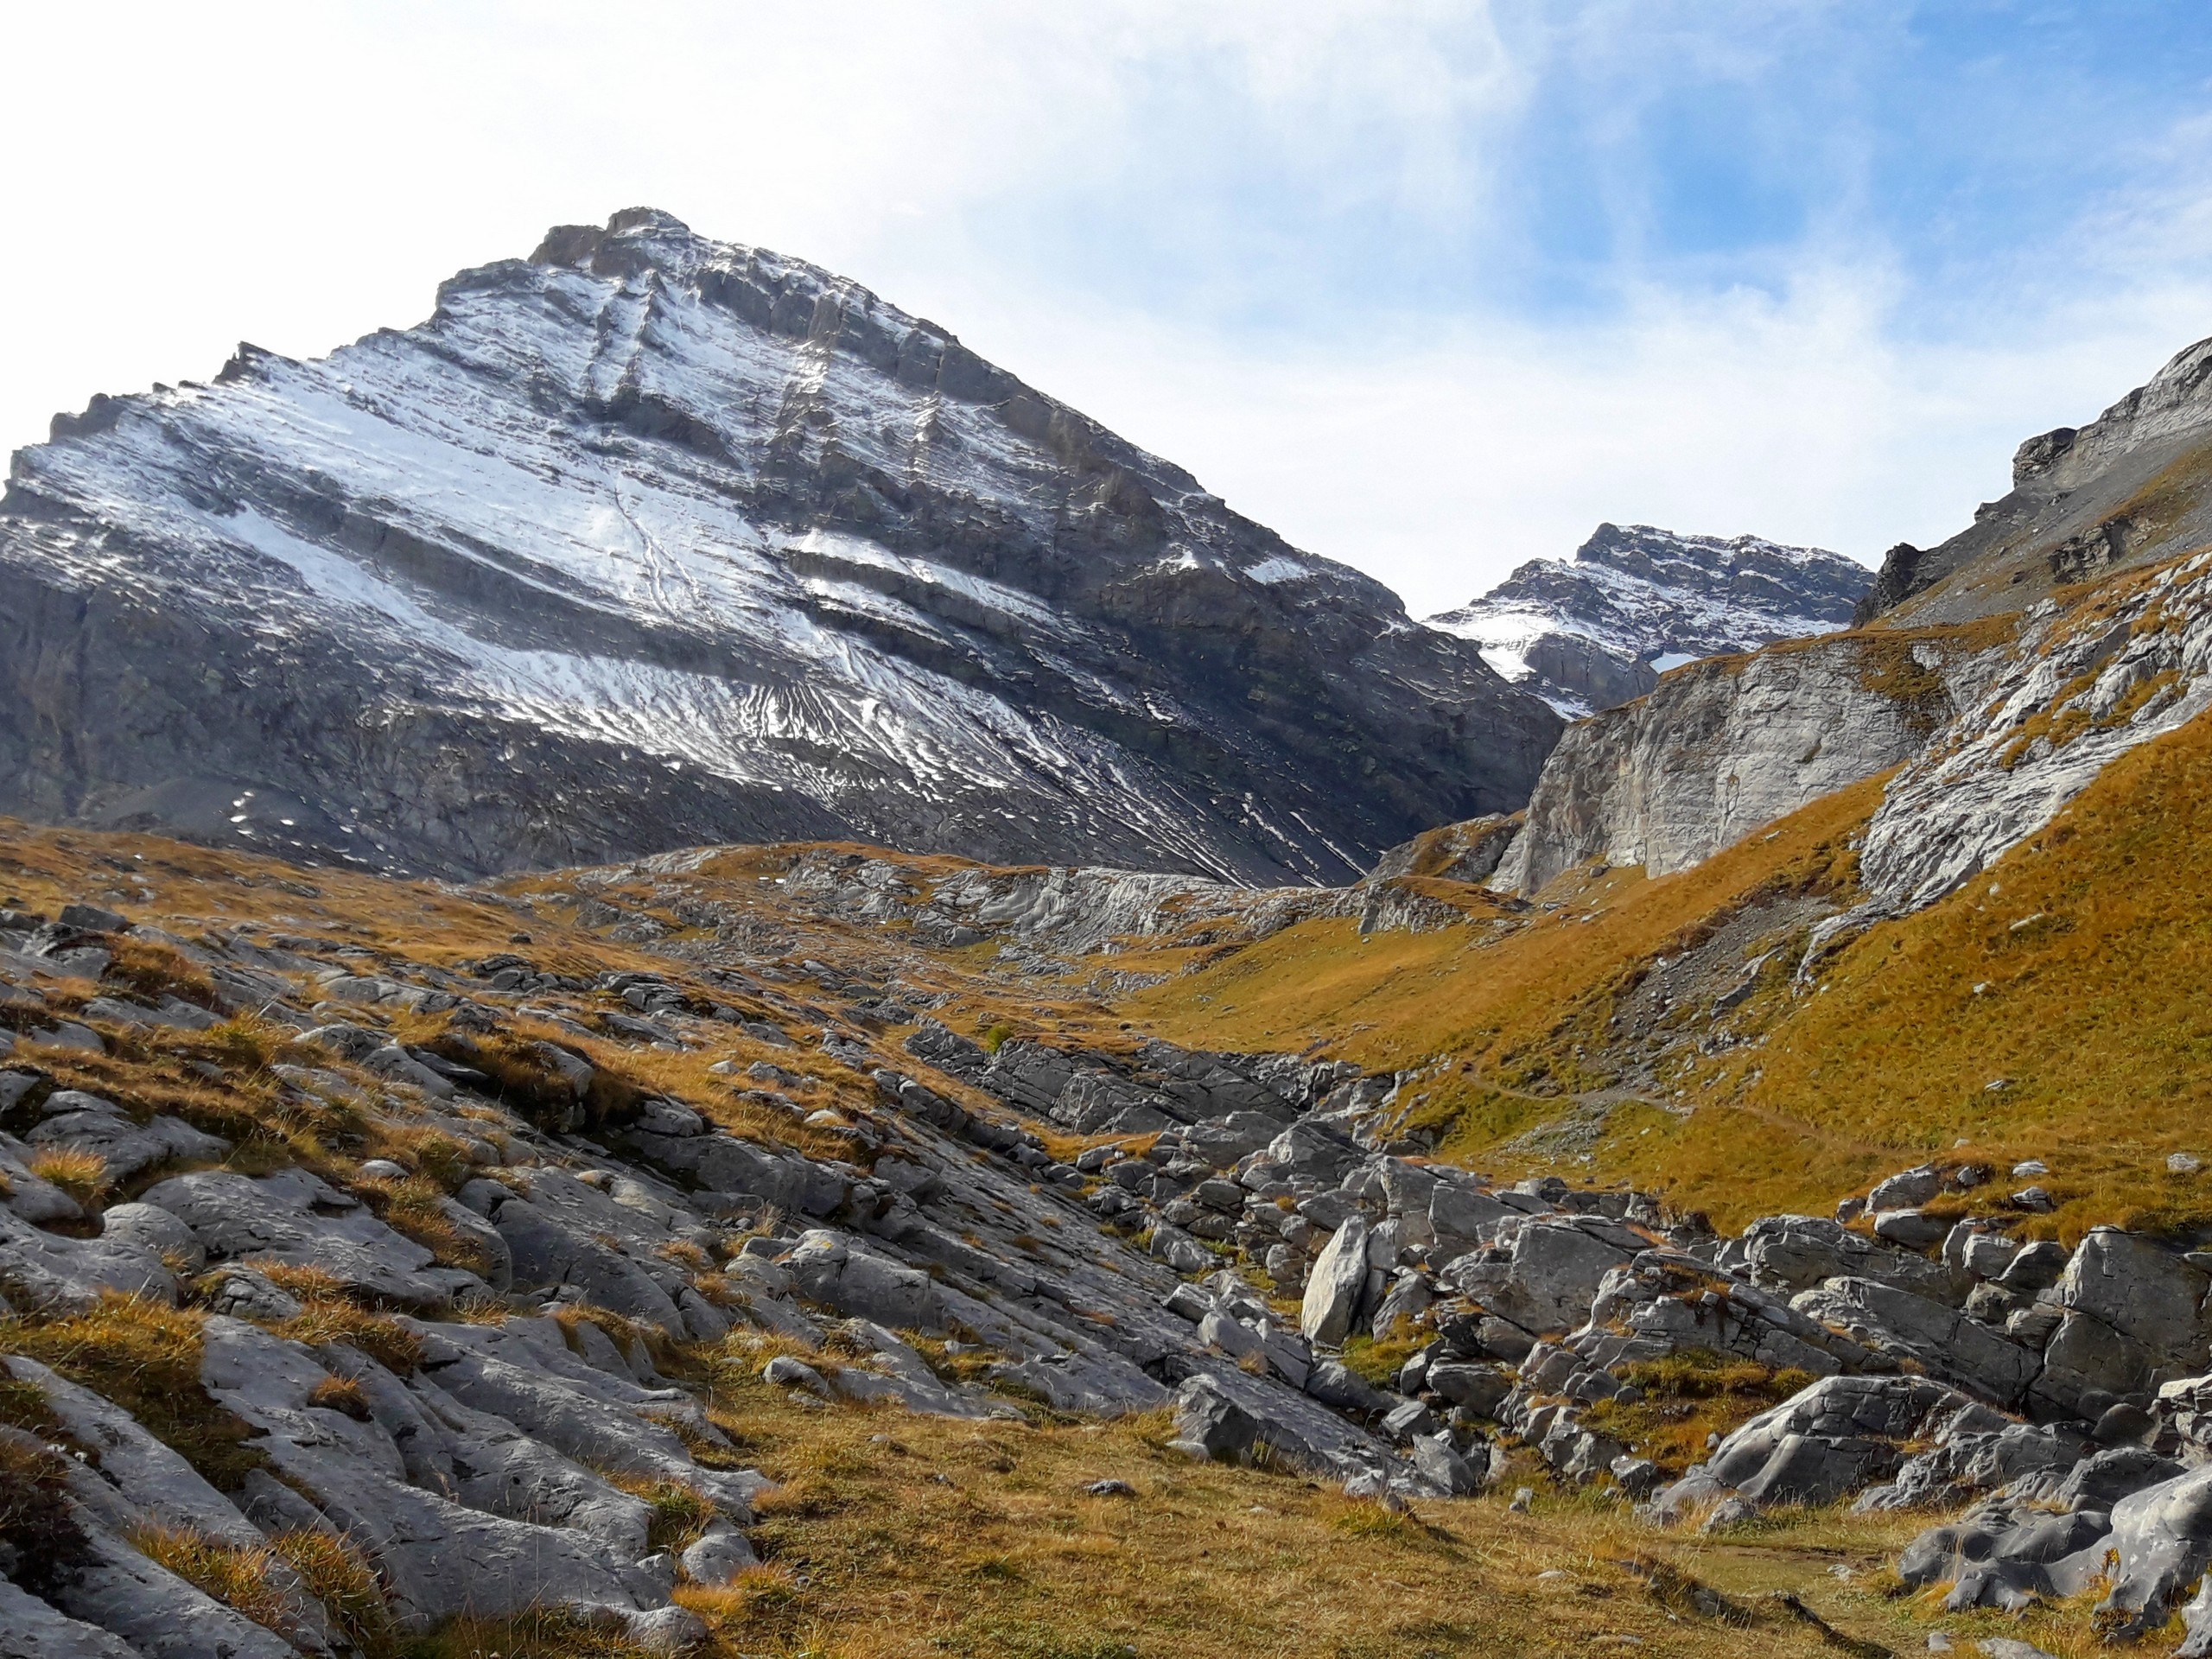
1257	236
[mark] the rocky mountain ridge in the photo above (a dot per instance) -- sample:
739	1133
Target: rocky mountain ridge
1596	631
648	540
1998	718
2127	489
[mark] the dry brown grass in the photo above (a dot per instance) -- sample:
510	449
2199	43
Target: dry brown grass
329	1314
680	1511
145	1357
81	1175
1690	1396
895	1537
155	971
2094	968
416	1207
238	1578
335	1575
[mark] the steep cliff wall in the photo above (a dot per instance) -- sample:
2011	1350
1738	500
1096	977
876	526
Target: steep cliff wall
1723	746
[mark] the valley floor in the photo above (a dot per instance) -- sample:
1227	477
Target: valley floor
1676	1034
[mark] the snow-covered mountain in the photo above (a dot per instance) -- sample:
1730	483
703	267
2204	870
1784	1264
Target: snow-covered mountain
1599	630
650	540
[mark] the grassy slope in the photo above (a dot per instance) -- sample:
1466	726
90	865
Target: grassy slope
2092	945
2092	948
892	1537
1517	1024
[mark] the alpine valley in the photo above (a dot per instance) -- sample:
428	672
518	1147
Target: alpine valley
681	972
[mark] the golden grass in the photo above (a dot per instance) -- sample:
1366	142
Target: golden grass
257	1581
680	1511
2094	964
145	1357
329	1314
895	1537
1688	1396
416	1207
546	1633
335	1575
239	1577
81	1175
155	971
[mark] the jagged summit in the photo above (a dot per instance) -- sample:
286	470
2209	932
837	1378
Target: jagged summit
1596	630
650	540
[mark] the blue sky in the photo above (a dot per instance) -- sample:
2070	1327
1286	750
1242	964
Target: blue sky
1430	287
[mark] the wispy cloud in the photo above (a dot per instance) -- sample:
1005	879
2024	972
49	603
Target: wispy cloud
1432	288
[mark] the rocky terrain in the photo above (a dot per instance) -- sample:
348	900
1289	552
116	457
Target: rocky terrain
2125	490
1998	717
386	1260
1598	630
647	541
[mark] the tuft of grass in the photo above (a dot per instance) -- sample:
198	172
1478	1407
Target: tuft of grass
155	971
81	1175
335	1575
543	1633
1689	1395
526	1080
243	1043
342	1395
680	1511
329	1314
1379	1359
416	1207
238	1578
145	1357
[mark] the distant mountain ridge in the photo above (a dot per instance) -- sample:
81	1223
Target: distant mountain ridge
1584	634
648	540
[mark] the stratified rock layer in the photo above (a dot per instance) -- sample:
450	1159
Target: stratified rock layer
651	541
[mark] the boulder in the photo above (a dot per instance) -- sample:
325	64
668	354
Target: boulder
295	1218
1902	1326
1840	1435
2137	1286
1911	1229
43	1272
1907	1190
1443	1465
829	1270
1209	1424
2163	1536
82	1122
1795	1253
1335	1285
31	1629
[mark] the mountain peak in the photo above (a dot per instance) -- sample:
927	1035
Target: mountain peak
1588	633
652	540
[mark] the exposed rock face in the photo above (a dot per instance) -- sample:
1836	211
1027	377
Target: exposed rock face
2076	692
2128	488
649	541
1456	852
1594	632
1722	747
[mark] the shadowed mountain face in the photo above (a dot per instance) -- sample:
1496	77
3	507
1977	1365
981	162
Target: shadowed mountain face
1596	630
649	540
